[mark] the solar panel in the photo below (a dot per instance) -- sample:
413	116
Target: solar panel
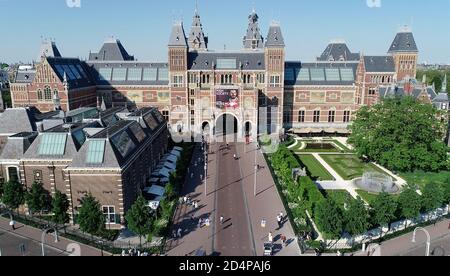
104	74
123	143
60	71
163	74
317	74
150	74
82	71
134	74
69	72
151	122
289	74
228	63
75	71
347	74
96	152
332	74
119	74
303	75
138	132
52	144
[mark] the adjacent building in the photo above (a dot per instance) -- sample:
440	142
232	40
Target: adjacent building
107	153
253	89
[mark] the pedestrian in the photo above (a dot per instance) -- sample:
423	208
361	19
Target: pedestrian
222	219
283	240
185	199
174	234
12	223
180	232
279	222
201	177
196	205
282	216
207	222
200	223
270	237
192	175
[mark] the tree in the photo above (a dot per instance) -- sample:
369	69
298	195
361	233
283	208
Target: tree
90	216
401	134
409	203
384	207
37	198
13	195
329	218
139	218
60	205
432	197
446	190
357	217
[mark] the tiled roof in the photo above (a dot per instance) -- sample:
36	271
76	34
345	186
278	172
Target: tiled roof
403	42
249	60
112	50
379	64
338	51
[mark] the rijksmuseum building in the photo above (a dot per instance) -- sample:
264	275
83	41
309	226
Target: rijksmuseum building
199	89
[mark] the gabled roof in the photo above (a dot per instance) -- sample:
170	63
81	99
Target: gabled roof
404	42
25	76
17	145
379	64
338	51
275	36
248	60
26	117
178	36
112	50
74	70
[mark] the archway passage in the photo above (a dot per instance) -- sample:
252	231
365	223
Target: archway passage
205	127
226	125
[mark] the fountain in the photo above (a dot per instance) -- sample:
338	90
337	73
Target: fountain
375	182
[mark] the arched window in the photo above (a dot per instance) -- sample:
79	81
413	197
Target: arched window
39	95
55	92
47	93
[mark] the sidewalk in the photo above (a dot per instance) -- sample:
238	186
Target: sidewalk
36	235
195	238
266	205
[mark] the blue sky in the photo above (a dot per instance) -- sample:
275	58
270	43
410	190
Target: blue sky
143	26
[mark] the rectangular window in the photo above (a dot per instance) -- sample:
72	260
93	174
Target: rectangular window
261	78
96	152
163	74
317	74
177	81
110	214
372	91
274	81
332	74
163	96
192	102
37	174
316	118
150	74
347	115
347	74
223	63
104	74
301	116
119	74
166	115
135	74
331	116
303	75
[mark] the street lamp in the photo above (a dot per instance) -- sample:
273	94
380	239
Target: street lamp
43	238
428	239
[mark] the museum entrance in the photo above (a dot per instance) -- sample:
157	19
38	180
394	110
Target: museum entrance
227	126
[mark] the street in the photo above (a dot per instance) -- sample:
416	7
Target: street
14	245
439	248
233	237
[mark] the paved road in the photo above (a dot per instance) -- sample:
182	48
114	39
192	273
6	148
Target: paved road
34	235
10	246
233	237
439	247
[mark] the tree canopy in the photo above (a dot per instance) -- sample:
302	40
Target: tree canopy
60	205
410	203
139	218
90	216
384	208
13	195
357	217
432	196
37	198
329	218
401	134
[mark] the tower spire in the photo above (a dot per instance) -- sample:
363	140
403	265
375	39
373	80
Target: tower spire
197	40
253	39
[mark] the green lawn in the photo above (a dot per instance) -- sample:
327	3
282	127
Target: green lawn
339	196
315	168
370	197
297	149
346	149
423	178
349	166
